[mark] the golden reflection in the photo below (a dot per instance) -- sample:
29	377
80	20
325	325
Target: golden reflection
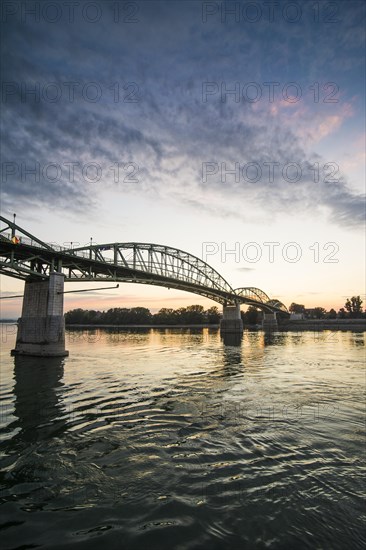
271	338
254	348
177	336
128	338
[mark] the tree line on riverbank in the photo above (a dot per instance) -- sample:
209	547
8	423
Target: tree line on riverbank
197	315
352	310
191	315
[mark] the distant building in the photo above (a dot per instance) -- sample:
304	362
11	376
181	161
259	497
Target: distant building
296	316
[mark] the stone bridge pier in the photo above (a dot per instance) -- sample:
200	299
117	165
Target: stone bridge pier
269	321
231	325
41	328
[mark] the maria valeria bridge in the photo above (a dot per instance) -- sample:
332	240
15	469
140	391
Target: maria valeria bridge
46	267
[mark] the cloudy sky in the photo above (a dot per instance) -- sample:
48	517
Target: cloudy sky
206	126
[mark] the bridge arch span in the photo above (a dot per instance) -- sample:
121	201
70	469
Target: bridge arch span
24	256
155	264
256	296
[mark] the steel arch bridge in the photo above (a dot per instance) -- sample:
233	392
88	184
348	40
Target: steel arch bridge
24	256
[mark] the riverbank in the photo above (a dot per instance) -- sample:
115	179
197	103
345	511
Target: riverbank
216	326
324	324
304	324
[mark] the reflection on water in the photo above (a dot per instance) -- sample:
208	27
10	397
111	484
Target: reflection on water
169	438
37	405
271	337
232	339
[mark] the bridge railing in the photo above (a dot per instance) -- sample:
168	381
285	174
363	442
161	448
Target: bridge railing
23	240
58	248
55	246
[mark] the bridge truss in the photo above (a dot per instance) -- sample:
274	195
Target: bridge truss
24	256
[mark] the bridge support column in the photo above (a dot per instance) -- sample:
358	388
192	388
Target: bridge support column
41	328
231	325
269	321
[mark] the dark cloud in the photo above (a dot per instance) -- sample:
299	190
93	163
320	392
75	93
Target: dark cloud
168	132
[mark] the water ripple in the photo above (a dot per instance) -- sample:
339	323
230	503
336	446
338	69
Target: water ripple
170	440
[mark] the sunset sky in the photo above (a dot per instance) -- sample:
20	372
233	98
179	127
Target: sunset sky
196	105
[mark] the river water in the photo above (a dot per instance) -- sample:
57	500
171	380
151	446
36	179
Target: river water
167	439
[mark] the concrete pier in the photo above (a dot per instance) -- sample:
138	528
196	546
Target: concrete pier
41	328
269	321
231	325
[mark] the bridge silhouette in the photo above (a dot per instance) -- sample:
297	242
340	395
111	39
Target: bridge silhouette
26	257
